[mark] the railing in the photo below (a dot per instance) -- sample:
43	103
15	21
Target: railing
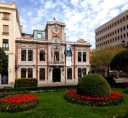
56	62
5	33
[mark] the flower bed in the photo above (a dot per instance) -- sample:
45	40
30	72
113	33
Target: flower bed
115	99
18	102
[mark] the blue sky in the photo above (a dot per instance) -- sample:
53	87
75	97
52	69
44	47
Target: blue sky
81	17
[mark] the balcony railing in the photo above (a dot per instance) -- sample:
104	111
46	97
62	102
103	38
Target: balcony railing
56	62
5	18
5	33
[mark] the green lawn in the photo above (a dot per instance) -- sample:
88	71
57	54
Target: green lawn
53	105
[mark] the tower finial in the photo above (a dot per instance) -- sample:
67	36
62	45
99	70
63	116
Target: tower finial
54	18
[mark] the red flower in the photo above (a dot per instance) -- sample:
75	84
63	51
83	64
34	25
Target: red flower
114	95
19	98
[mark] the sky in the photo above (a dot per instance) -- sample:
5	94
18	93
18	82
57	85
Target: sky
81	17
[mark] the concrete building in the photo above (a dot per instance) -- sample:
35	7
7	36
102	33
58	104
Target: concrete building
44	56
9	31
113	33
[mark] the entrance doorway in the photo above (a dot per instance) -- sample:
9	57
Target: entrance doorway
56	74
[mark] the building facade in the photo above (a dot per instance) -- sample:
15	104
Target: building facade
113	33
9	31
47	56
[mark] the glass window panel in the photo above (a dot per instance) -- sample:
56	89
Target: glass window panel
5	44
79	73
84	56
84	71
42	74
23	72
23	55
30	73
79	56
42	55
30	55
69	73
39	35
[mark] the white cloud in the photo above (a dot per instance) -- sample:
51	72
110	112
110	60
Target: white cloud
124	8
114	13
22	21
81	17
29	13
49	5
75	2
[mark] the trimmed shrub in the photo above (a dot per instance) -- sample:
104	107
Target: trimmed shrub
93	85
31	82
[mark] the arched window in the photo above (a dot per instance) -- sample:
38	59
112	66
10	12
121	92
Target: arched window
42	55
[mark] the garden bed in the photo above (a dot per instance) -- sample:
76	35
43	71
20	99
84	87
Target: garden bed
115	99
18	102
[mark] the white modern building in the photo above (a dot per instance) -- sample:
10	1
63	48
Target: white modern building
9	31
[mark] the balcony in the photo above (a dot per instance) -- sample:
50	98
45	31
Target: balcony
5	33
56	62
5	48
5	18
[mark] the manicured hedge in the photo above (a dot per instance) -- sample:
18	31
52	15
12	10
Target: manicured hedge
93	85
10	91
23	82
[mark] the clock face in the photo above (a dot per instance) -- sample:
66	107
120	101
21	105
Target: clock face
56	29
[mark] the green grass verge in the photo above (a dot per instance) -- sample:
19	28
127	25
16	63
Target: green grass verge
53	105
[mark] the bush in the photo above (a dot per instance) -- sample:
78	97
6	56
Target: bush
31	82
120	61
93	85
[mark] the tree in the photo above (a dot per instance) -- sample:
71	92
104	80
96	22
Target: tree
3	61
100	60
120	61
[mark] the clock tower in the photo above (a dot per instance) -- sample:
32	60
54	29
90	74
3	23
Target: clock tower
55	31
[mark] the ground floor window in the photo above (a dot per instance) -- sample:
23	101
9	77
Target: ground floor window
84	71
42	74
30	73
81	72
69	73
26	73
23	72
